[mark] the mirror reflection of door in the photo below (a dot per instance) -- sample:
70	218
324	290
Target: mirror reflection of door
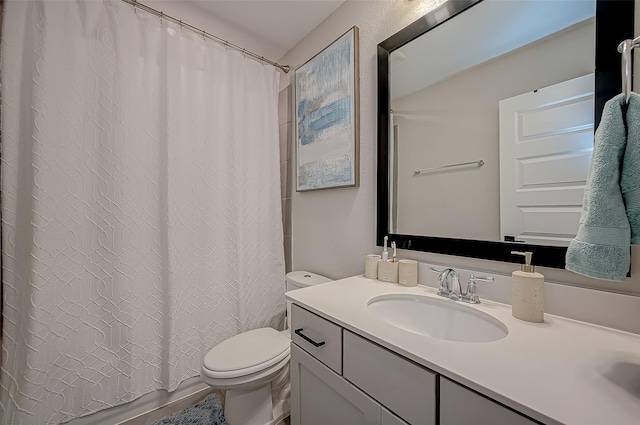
445	90
546	144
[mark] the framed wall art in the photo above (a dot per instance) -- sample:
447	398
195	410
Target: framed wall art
327	118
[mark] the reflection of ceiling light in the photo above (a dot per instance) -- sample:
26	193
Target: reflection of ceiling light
397	56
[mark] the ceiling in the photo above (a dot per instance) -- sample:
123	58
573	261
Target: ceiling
281	23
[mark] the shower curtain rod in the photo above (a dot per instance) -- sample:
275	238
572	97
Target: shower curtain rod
203	33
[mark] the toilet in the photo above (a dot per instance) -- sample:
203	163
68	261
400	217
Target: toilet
253	368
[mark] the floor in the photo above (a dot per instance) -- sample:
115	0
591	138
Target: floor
153	416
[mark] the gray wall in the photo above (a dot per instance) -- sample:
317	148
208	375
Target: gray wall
333	229
287	178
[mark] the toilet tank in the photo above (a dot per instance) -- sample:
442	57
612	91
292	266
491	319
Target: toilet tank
301	279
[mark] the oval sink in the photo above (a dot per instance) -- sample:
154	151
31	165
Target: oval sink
441	319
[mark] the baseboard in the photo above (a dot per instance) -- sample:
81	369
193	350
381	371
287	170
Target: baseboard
150	417
133	413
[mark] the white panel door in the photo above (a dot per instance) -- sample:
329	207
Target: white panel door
321	397
546	143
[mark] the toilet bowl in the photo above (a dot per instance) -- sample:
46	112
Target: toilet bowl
253	368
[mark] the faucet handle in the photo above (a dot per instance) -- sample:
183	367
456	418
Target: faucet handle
472	291
475	279
433	269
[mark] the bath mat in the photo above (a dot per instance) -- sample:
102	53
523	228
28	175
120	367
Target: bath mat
206	412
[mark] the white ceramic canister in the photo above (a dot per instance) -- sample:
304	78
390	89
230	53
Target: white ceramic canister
388	271
408	273
371	266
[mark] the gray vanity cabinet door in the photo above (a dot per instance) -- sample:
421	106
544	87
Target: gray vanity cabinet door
459	405
389	418
321	397
405	388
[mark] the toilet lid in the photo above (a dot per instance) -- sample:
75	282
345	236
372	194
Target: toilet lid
247	350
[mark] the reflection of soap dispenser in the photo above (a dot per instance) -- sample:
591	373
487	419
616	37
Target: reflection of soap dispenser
528	292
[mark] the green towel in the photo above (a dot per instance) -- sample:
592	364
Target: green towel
630	179
601	247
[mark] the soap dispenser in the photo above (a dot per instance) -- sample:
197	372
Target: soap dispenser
528	291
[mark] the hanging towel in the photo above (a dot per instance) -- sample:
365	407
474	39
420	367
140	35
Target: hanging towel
601	247
630	178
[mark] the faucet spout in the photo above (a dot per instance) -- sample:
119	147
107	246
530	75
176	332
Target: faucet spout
445	289
449	282
456	289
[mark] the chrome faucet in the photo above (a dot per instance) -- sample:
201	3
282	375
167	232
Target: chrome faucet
449	282
450	286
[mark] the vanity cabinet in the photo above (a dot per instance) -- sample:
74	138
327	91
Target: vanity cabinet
320	397
399	384
459	405
318	336
389	418
340	378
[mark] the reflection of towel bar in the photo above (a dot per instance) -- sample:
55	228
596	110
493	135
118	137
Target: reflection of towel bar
424	170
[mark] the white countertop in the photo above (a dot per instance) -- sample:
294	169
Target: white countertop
561	371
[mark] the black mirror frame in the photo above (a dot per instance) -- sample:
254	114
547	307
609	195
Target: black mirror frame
614	23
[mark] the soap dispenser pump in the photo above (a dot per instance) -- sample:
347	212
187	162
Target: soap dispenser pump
528	291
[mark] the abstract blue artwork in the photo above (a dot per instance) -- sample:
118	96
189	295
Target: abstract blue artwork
327	122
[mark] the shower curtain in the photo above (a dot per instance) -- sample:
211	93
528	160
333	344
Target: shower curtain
141	212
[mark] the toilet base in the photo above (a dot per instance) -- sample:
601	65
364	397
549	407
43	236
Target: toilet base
249	407
255	407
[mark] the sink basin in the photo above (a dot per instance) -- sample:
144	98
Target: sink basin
437	318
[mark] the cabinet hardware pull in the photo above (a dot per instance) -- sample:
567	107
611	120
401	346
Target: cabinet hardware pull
306	338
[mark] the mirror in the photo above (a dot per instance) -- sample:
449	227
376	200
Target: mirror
486	118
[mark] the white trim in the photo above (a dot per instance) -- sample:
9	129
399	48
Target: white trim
143	405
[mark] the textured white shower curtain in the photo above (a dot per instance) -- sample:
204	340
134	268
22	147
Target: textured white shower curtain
140	202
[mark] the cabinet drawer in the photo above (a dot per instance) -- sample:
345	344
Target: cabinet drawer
405	388
319	337
476	409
